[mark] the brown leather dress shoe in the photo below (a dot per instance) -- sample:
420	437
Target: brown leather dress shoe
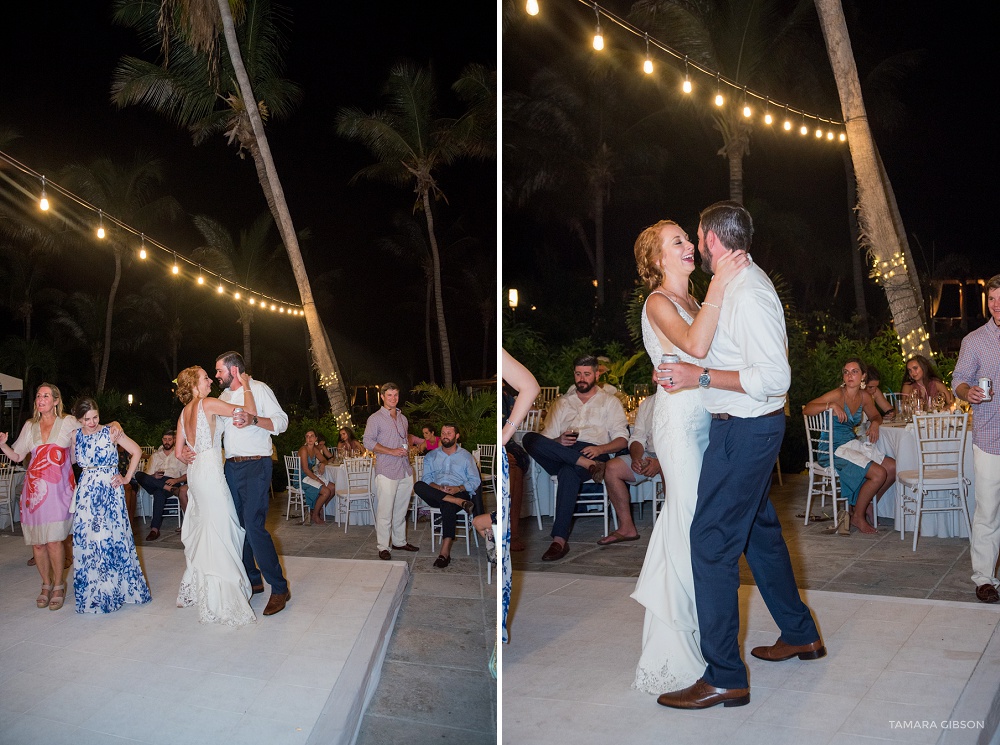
407	547
597	471
384	555
153	535
701	695
276	603
987	594
780	651
257	589
555	551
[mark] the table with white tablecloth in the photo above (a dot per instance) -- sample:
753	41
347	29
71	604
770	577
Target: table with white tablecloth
337	475
899	441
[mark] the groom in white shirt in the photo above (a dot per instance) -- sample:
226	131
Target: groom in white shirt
744	386
248	472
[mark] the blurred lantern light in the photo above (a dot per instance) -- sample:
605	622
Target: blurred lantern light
532	7
100	224
512	298
43	202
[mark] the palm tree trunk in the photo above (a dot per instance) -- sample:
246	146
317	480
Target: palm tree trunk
106	357
245	321
878	230
323	356
427	329
438	295
860	307
311	380
736	177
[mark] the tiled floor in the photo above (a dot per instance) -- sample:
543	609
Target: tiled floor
893	664
434	682
910	654
880	564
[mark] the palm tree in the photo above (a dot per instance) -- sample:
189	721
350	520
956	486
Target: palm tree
80	322
193	92
249	260
411	142
753	43
875	199
128	194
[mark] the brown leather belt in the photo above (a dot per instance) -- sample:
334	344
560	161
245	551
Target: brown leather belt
241	458
724	417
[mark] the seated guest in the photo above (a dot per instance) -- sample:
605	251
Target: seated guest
922	379
349	446
872	385
426	443
865	472
640	465
602	371
315	492
325	454
450	478
582	429
166	477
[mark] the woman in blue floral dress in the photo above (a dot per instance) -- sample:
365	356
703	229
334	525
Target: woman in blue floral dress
106	571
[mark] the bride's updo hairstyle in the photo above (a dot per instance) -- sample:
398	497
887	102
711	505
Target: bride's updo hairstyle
647	254
187	384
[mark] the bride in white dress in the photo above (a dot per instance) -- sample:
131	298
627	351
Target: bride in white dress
673	322
215	579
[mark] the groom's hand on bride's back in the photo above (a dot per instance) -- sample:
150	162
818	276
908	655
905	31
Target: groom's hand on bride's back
186	455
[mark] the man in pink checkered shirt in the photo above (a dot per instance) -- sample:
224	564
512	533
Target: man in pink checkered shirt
980	358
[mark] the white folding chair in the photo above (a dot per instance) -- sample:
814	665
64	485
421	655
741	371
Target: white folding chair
938	484
7	493
546	394
532	423
486	457
172	508
296	496
591	502
823	480
359	496
418	475
463	527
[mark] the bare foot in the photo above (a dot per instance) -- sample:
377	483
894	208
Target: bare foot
863	525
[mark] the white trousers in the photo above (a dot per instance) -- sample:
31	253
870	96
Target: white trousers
390	516
986	522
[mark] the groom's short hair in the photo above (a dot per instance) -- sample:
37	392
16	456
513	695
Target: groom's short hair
229	359
731	224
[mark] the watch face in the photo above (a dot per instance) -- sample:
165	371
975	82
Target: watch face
704	379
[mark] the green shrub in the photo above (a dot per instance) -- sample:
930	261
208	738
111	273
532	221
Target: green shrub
476	417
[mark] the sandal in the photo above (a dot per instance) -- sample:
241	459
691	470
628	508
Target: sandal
58	597
43	597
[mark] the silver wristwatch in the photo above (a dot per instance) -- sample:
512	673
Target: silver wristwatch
704	380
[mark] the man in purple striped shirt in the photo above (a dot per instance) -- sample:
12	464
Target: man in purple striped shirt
386	435
980	358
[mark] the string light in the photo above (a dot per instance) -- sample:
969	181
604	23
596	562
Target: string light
72	199
201	278
598	33
220	289
273	306
687	86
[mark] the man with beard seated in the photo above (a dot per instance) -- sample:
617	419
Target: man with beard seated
166	477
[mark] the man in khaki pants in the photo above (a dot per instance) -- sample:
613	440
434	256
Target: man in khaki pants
387	435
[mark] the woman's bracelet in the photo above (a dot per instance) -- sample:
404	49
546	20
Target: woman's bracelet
514	426
713	305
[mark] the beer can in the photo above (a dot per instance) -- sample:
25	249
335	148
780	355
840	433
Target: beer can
668	359
987	385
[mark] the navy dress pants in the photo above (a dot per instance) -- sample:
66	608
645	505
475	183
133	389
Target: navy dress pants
735	516
250	483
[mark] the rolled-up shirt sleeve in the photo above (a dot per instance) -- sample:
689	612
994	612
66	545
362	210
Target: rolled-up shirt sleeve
759	326
967	368
555	418
472	479
616	420
643	424
268	406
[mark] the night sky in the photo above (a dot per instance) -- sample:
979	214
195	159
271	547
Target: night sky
55	69
937	158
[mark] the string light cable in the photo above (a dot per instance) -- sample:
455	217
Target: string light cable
104	220
748	95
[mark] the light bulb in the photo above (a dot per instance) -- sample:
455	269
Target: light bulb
532	7
787	125
252	301
747	112
273	306
804	130
236	296
281	309
142	253
101	232
687	84
843	137
829	135
598	38
220	289
768	119
201	280
175	269
718	99
819	134
43	202
647	66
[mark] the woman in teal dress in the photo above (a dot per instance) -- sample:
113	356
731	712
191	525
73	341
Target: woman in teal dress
106	571
865	472
316	492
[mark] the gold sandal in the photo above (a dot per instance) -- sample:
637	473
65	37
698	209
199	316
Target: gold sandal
58	597
43	597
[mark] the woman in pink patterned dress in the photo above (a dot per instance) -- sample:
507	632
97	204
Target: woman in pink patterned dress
48	489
